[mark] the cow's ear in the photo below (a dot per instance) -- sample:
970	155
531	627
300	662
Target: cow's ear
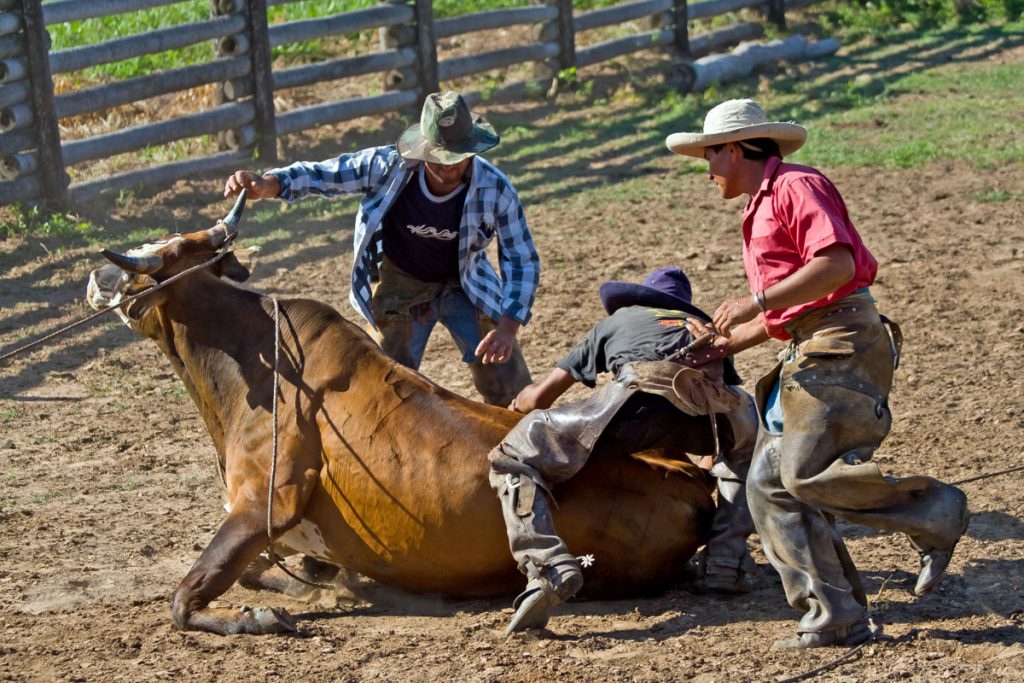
231	267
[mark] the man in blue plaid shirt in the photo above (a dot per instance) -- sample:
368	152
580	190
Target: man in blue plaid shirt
430	207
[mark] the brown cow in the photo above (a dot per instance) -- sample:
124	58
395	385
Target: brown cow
378	469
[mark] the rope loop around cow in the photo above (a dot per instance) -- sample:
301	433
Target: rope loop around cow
273	556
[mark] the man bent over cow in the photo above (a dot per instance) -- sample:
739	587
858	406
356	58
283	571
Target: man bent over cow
651	402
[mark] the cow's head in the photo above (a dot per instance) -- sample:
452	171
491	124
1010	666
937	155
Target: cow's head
143	267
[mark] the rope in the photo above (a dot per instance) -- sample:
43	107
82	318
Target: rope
273	556
987	476
828	665
273	400
130	299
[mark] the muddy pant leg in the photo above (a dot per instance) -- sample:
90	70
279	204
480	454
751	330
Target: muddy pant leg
803	546
727	551
847	484
727	564
405	312
531	531
498	383
403	336
546	448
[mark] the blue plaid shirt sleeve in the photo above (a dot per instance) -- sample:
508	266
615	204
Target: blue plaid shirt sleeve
354	173
517	257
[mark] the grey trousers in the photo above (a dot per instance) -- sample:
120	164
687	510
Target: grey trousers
548	447
834	383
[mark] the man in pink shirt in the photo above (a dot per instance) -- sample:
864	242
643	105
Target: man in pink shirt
824	408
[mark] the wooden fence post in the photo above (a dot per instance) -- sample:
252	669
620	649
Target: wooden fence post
560	30
396	37
262	81
776	13
681	39
426	48
566	34
53	178
254	42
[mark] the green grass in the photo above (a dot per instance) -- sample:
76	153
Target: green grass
9	413
966	111
38	221
996	195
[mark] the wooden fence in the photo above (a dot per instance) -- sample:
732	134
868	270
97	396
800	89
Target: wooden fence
34	159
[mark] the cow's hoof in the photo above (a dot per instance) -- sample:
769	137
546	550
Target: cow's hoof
272	620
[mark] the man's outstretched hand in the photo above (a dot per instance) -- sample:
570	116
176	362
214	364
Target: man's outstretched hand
260	187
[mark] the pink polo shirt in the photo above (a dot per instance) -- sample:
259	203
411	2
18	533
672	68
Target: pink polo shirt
796	213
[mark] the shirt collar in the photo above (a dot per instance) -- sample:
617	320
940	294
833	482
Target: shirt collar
770	169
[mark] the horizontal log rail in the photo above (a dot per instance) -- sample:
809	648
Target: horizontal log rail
10	22
141	88
161	175
18	164
13	44
33	159
77	10
458	67
159	40
338	24
610	49
151	134
500	18
12	191
13	93
324	114
619	14
343	68
713	41
12	143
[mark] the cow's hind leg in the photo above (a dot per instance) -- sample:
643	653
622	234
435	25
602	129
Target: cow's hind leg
238	542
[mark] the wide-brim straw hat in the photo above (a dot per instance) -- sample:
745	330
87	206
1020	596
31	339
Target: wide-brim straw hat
447	132
735	120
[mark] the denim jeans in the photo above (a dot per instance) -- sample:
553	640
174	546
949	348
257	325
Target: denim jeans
406	310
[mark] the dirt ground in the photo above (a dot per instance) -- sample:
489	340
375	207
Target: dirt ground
109	489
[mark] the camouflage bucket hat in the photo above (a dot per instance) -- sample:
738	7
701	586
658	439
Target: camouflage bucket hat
447	132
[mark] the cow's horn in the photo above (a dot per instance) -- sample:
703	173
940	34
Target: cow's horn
134	264
231	220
